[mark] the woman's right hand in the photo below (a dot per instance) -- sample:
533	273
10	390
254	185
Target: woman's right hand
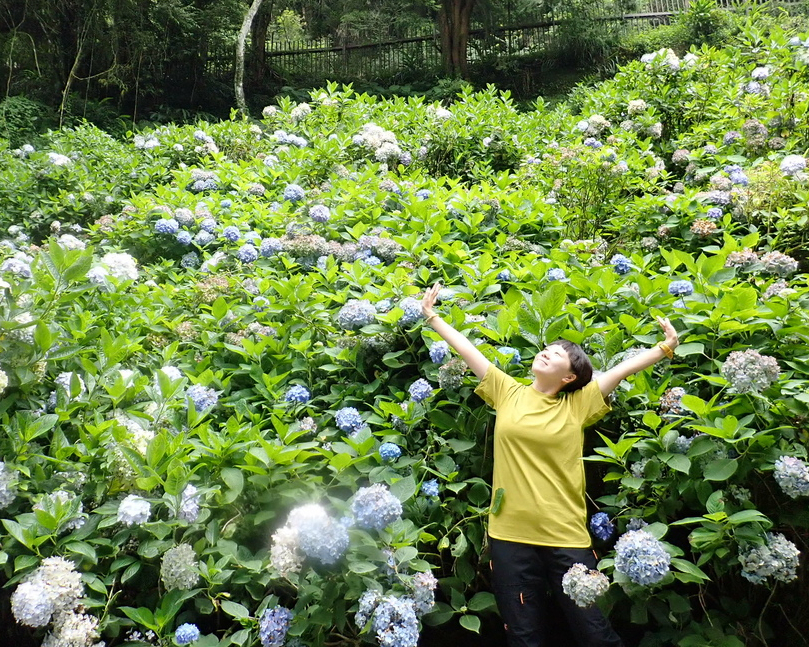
429	298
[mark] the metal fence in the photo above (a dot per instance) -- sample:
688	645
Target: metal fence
328	58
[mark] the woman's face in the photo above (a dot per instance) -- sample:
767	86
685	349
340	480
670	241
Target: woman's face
552	362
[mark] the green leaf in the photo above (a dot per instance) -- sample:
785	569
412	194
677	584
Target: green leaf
679	462
689	349
685	566
472	623
747	516
721	470
482	601
234	479
498	500
235	610
404	488
361	567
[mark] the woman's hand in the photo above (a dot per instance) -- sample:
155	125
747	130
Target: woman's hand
428	300
672	339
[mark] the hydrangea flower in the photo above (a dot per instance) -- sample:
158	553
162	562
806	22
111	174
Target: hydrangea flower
270	246
52	590
349	419
294	193
439	351
120	265
601	526
184	237
319	536
793	164
367	605
423	194
134	510
420	390
186	634
505	275
792	475
202	397
681	288
319	213
167	226
297	393
641	557
209	225
389	451
621	264
749	370
584	586
556	274
411	311
714	213
731	137
424	585
247	253
776	559
760	73
8	490
516	358
203	238
274	625
430	488
231	233
375	507
395	623
671	401
189	504
777	263
356	313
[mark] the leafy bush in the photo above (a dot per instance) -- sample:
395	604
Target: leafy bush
22	119
221	407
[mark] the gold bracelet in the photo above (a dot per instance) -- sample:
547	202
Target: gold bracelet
431	317
666	349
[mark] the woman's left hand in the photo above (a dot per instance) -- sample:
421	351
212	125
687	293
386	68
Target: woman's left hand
672	339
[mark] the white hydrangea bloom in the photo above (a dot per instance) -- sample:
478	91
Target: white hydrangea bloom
120	265
134	510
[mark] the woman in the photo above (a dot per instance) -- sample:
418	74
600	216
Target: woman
540	528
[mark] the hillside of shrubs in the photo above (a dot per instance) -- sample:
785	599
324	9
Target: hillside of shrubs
224	422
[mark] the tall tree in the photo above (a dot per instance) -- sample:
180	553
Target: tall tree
454	18
238	75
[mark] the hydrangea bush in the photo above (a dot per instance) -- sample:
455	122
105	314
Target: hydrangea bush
225	421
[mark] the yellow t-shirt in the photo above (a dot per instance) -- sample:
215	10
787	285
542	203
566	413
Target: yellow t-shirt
538	445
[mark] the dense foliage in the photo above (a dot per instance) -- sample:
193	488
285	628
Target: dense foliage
224	422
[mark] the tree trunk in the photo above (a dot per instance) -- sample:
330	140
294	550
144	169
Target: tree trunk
258	46
238	75
454	21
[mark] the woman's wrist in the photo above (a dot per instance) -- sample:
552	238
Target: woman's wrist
428	318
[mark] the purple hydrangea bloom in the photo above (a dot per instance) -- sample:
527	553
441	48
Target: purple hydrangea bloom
395	622
714	213
420	390
792	475
167	226
423	194
297	393
504	275
593	143
294	193
731	136
319	213
247	253
227	203
601	526
412	311
208	224
274	625
356	313
202	397
516	358
270	246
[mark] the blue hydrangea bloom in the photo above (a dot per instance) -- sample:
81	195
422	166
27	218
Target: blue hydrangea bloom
202	397
247	253
349	419
423	194
294	193
601	526
186	634
412	311
319	213
389	451
738	177
504	275
273	626
731	136
227	203
208	224
641	557
621	264
167	226
231	233
270	246
405	158
420	390
508	350
184	238
203	238
430	488
395	622
297	393
356	313
593	143
713	213
372	260
439	351
556	274
681	288
375	507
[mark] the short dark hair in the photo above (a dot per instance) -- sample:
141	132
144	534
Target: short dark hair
579	364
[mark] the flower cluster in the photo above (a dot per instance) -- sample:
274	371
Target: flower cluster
274	625
424	585
792	165
681	288
188	509
439	351
202	397
601	526
297	393
73	629
777	558
395	622
742	259
349	419
375	507
319	213
51	590
621	264
702	227
641	557
792	475
778	263
584	586
186	634
411	311
356	313
8	489
294	193
120	265
450	375
556	274
389	451
749	370
315	534
134	510
179	568
420	390
778	289
671	401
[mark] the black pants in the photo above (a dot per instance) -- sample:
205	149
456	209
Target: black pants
524	576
